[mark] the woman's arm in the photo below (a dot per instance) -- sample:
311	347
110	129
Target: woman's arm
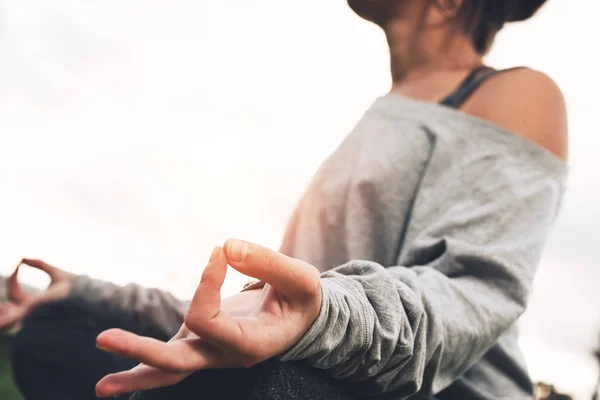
151	307
403	330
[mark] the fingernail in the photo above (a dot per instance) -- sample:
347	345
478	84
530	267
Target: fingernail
237	250
100	347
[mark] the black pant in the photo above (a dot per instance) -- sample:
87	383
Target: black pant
54	358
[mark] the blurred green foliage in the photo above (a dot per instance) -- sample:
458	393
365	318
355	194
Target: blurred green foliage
8	391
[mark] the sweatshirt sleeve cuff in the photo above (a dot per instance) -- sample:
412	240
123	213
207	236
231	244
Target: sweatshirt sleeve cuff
331	328
305	346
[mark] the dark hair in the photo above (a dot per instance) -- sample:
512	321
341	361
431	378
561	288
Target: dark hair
482	19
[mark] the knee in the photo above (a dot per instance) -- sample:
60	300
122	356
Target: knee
35	338
59	340
49	333
54	312
270	380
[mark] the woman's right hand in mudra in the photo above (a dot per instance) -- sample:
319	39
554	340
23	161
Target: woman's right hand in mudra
236	332
20	304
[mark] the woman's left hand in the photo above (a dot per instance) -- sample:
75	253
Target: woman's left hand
239	331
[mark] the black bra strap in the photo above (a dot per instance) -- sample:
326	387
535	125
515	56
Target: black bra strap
469	85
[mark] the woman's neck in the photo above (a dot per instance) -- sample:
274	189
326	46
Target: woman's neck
431	66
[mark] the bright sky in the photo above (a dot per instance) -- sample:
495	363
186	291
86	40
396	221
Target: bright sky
136	135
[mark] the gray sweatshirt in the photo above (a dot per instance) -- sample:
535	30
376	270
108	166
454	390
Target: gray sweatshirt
428	225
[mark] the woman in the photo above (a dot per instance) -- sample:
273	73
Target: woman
404	267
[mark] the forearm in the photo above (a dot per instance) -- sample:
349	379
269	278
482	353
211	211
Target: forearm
401	332
152	307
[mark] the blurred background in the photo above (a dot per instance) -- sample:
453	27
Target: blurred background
136	135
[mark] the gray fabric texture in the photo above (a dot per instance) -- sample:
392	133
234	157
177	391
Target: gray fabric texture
428	225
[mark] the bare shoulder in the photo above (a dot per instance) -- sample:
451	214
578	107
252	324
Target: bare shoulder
526	102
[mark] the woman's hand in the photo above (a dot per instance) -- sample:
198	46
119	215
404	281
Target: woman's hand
20	304
239	331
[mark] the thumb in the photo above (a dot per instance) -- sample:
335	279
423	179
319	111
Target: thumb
289	276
